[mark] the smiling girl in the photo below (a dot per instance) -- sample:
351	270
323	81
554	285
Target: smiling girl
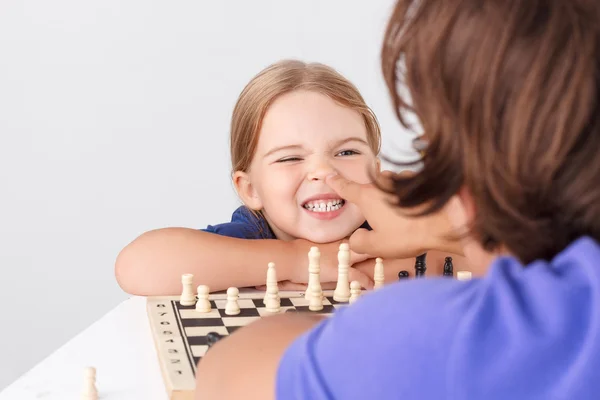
293	125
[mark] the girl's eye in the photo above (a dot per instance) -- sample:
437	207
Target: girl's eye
347	153
288	159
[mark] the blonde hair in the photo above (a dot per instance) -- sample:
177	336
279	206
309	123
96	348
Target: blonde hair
283	77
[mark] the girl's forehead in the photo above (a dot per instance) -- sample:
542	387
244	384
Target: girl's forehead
308	104
270	140
309	117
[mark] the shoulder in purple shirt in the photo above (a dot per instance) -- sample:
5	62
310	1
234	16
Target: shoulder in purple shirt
517	333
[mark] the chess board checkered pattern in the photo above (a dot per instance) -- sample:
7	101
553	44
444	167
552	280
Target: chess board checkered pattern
180	332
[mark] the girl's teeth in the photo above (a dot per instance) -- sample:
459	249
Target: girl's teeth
323	206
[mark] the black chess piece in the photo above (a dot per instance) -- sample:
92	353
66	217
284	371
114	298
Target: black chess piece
212	338
420	265
448	267
402	275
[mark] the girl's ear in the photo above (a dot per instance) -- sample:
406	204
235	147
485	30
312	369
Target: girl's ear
246	190
375	171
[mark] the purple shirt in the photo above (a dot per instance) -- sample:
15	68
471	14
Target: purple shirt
517	333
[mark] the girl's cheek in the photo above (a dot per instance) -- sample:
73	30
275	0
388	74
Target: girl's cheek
285	180
357	172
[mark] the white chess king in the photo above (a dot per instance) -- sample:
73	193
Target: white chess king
342	289
314	274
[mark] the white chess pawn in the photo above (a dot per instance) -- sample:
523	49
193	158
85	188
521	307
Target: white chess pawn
464	275
203	304
355	291
272	300
232	307
188	297
89	391
378	275
342	289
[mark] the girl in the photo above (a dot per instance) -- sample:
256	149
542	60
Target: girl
293	124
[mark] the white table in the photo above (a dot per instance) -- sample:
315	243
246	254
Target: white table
119	346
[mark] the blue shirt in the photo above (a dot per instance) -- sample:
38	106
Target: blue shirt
244	225
517	333
247	225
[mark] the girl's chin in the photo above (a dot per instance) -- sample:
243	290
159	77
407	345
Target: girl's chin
319	232
326	237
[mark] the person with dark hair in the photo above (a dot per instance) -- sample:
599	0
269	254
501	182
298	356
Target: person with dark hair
507	94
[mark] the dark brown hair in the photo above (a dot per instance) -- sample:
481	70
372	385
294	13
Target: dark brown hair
506	92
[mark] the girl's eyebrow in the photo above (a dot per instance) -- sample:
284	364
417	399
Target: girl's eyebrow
350	139
299	147
288	147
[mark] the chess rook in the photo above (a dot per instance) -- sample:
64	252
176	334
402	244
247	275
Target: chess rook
378	274
342	289
188	298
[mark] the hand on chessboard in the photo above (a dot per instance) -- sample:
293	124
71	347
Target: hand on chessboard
394	234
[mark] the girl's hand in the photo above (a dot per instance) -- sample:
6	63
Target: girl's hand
356	258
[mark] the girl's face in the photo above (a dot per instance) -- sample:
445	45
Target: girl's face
304	137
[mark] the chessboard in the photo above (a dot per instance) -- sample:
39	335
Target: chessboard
182	335
185	327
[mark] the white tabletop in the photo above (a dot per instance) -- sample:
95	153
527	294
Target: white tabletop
119	346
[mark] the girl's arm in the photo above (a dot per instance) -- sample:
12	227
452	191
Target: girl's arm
153	263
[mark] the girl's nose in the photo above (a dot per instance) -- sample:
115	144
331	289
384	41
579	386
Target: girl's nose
320	171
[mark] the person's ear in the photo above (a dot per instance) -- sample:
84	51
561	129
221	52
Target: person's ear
246	191
374	171
467	204
462	212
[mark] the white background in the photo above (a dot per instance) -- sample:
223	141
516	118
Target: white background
114	120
